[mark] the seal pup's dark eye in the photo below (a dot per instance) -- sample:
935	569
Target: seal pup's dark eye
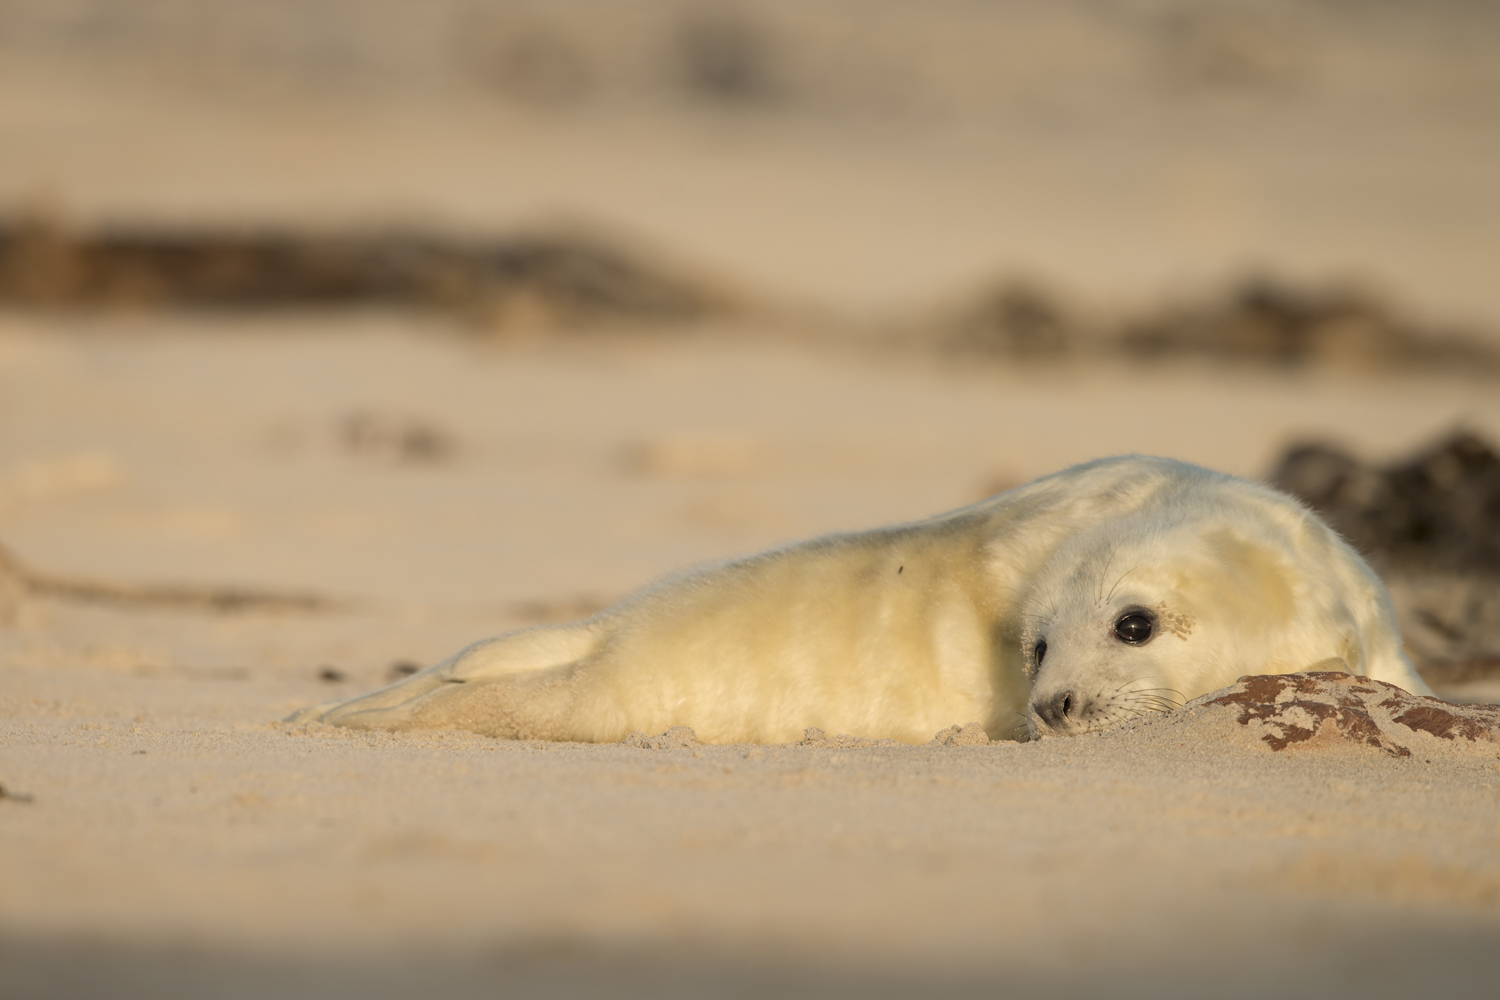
1134	628
1040	650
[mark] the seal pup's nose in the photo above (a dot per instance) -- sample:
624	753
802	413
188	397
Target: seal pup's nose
1061	711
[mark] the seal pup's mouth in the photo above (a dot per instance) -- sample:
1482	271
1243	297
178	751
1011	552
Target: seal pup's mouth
1075	712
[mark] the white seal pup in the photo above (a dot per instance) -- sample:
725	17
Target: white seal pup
1086	597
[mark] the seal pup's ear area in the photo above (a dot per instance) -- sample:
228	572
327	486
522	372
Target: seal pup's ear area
1263	589
1248	582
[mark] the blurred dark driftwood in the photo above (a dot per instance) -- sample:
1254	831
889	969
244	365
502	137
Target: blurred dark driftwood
1259	323
19	581
1269	323
1017	320
1431	524
567	280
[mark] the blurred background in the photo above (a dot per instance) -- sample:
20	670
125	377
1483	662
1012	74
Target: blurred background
864	155
515	305
336	335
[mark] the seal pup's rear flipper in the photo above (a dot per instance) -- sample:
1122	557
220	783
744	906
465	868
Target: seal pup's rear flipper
397	706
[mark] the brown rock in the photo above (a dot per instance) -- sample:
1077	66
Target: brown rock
1324	708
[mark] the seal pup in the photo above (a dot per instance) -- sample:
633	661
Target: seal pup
1109	589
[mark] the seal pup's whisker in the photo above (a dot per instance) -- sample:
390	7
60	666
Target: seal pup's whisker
1103	573
1174	691
1120	581
1040	619
1020	727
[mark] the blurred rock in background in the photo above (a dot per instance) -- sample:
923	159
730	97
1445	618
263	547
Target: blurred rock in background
1258	322
1016	320
565	279
1430	523
857	152
1266	322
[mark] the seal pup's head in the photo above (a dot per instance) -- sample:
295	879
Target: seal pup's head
1212	579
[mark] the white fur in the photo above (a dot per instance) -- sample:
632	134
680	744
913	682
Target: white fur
1242	579
902	631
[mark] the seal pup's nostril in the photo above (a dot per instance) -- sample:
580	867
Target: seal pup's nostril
1056	710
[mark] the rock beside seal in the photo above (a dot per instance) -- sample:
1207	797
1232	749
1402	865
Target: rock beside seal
1324	709
1430	524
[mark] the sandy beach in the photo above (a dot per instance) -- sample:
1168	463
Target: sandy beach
222	515
178	837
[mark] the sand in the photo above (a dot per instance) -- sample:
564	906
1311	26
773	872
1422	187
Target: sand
164	832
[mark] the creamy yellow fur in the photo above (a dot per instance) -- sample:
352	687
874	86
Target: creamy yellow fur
1242	579
902	631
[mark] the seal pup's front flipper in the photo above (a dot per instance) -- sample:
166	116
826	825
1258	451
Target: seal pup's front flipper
1396	668
398	705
